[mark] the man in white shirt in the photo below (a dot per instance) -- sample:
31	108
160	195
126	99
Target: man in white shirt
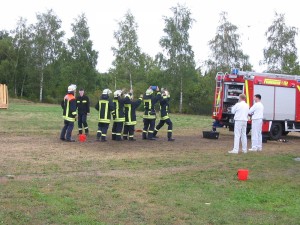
257	113
241	110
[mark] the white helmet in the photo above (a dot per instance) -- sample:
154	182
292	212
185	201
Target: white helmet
106	91
117	93
149	91
72	87
128	95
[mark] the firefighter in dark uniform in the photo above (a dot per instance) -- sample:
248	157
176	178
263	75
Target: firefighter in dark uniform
149	112
83	108
69	114
105	108
164	115
119	116
130	116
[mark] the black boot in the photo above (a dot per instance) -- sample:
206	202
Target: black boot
125	138
132	139
113	137
118	138
144	135
155	133
98	136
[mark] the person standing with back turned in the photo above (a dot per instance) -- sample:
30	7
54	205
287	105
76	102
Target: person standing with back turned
240	111
105	108
164	115
149	116
257	113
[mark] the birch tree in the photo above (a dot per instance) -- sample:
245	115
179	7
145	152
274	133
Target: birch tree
225	47
178	56
280	55
127	53
47	42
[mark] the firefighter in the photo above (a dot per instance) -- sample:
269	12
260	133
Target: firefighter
119	116
240	111
83	108
257	114
105	108
149	112
69	114
130	116
164	115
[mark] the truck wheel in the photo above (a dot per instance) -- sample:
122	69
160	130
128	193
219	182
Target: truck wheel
276	131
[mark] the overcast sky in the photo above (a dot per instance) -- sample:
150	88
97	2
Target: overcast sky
252	17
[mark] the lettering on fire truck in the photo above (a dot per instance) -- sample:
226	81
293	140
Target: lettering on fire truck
276	82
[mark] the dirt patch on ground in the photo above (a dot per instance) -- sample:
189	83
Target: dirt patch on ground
39	156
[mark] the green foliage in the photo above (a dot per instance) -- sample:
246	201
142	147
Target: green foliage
226	52
281	54
178	61
127	66
82	58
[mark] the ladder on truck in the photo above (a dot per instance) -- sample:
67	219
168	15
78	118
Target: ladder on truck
218	93
250	75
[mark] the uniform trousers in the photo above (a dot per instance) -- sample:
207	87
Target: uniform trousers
162	123
240	128
128	130
102	130
117	130
66	131
149	125
256	136
82	120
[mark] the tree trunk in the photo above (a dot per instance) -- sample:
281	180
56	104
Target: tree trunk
130	81
22	87
181	96
41	86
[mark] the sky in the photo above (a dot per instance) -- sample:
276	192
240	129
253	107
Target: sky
252	18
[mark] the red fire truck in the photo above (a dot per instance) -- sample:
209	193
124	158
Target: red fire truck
280	97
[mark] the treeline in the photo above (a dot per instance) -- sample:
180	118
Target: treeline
38	63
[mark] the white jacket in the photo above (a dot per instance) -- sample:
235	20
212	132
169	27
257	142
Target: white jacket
257	111
241	110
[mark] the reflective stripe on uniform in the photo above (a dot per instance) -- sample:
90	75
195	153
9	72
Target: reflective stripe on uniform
128	106
67	112
105	119
131	123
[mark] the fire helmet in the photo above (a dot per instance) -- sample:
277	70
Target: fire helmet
128	95
72	88
106	91
149	91
117	93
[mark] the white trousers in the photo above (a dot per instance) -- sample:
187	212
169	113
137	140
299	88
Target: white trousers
240	128
256	136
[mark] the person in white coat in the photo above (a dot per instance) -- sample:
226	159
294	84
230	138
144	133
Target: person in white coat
257	113
240	111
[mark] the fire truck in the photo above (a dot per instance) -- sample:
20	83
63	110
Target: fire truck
280	97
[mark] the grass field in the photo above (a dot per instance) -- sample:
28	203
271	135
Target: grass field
190	181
